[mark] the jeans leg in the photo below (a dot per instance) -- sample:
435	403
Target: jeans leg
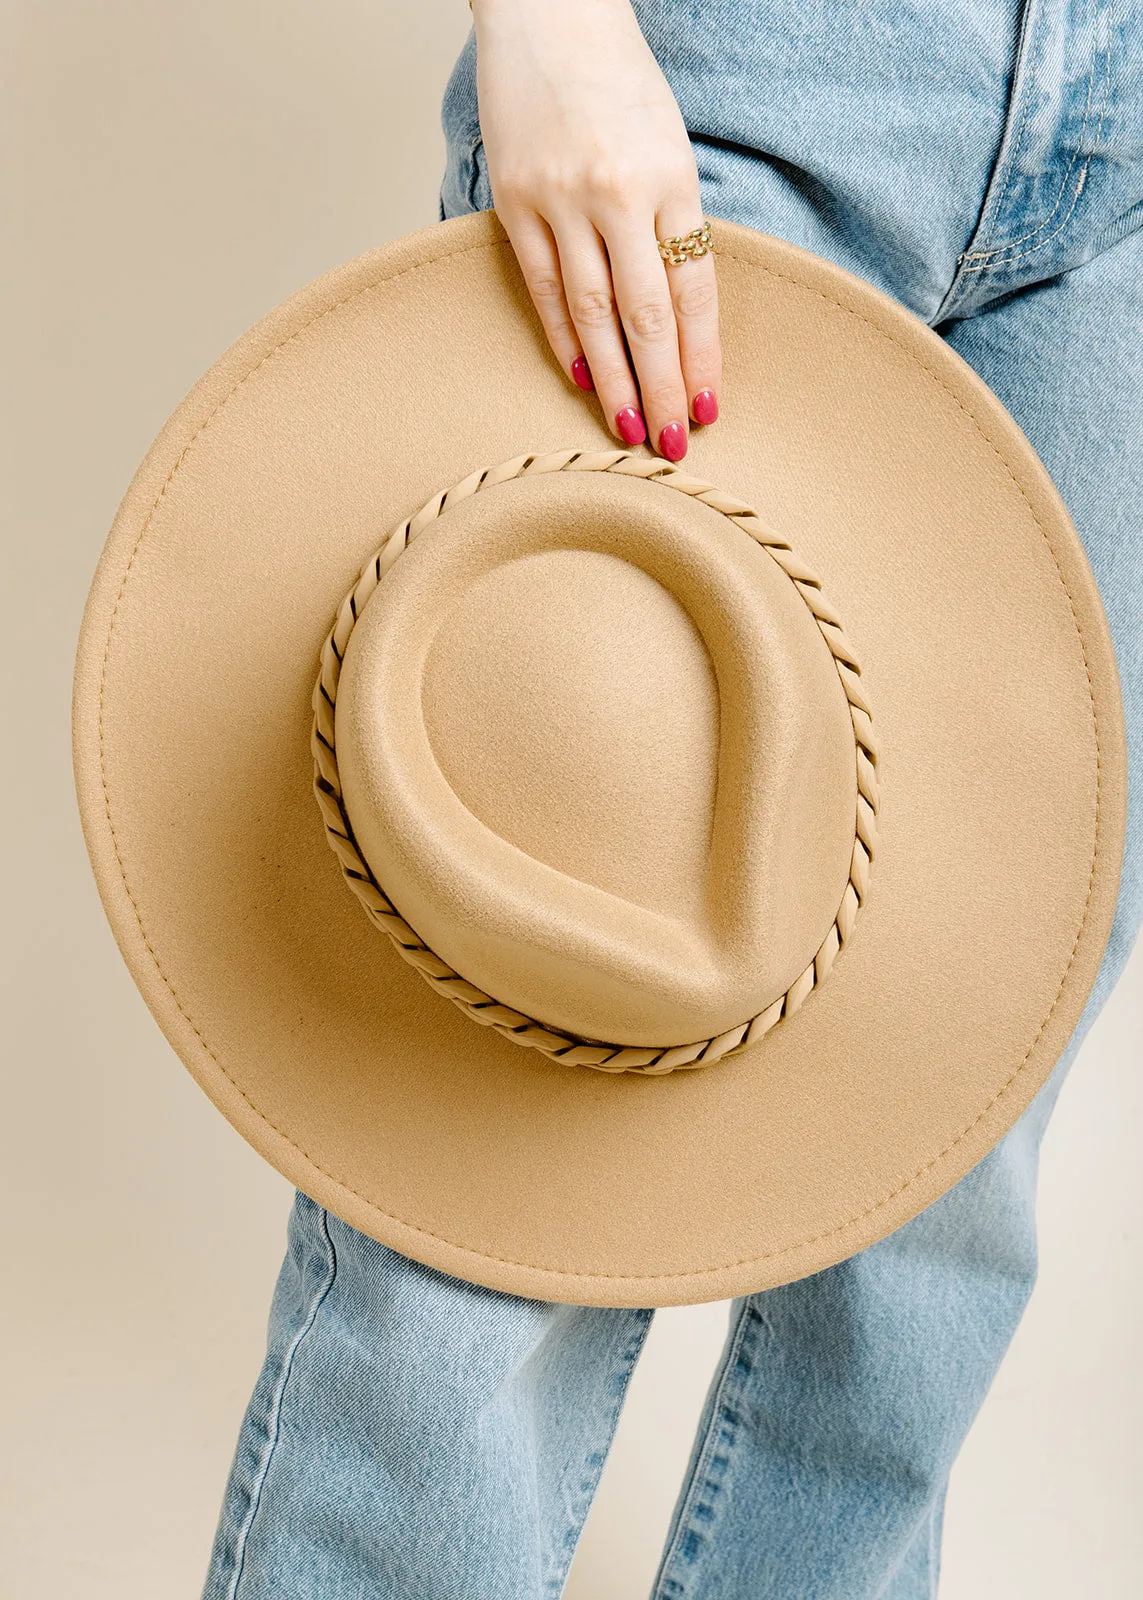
413	1436
846	1397
822	1461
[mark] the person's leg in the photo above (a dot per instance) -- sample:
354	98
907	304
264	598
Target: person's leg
820	1467
821	1464
412	1436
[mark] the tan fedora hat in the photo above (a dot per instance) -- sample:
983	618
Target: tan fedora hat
761	818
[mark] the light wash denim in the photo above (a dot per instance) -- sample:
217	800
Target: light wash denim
413	1437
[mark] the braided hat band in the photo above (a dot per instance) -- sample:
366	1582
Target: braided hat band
484	1008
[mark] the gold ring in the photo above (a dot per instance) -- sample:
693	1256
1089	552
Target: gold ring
683	246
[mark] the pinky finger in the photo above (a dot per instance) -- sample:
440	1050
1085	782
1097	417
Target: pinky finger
535	247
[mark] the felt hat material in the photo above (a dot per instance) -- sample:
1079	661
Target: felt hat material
761	818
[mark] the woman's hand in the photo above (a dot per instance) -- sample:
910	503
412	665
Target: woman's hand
589	163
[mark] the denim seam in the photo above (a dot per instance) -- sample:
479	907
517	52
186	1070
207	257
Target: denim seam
1025	91
934	1557
698	1470
275	1411
558	1578
346	1188
898	1562
986	258
473	175
1128	222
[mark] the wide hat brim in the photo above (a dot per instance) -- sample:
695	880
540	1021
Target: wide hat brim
902	480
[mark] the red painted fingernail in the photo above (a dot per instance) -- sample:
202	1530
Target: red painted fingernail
706	406
673	441
581	372
632	428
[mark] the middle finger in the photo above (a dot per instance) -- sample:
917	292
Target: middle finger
648	316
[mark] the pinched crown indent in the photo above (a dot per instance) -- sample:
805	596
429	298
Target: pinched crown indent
485	1008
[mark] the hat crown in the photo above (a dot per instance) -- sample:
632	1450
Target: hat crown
595	749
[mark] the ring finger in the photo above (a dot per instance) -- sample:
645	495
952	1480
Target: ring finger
694	294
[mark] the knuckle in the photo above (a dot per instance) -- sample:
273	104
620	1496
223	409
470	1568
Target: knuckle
559	331
612	378
705	358
591	307
652	319
616	389
555	179
513	183
534	183
610	183
663	398
545	288
694	296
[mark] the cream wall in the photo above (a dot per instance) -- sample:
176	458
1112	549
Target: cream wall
170	173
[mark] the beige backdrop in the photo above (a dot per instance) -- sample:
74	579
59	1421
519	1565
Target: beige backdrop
171	171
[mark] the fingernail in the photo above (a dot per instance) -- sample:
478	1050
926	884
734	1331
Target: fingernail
632	428
673	441
581	372
706	406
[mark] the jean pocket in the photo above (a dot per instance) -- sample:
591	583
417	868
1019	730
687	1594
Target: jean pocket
466	186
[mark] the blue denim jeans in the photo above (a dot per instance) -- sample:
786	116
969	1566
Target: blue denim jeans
412	1436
